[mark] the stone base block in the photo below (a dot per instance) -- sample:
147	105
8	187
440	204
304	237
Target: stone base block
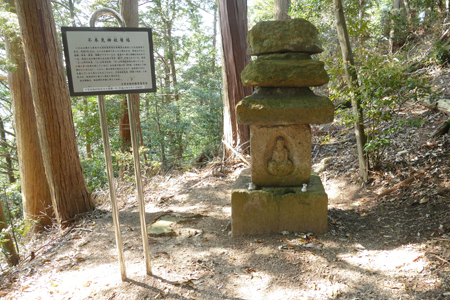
270	210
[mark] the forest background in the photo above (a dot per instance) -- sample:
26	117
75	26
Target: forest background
396	44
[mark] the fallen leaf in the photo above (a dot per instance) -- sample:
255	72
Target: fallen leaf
417	258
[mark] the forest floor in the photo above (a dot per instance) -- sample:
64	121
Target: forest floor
395	246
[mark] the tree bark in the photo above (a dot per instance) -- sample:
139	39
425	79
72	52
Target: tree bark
129	10
36	198
396	11
233	25
352	78
213	65
7	155
281	10
8	246
87	132
408	11
362	12
55	126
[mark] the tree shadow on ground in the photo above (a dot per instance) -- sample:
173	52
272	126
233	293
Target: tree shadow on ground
337	270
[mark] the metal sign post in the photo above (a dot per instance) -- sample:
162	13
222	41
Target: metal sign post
104	64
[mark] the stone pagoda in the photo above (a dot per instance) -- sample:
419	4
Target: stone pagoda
279	193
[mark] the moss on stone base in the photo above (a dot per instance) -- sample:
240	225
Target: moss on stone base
271	210
278	106
284	73
290	35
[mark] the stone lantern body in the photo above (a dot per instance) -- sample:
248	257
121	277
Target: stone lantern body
269	197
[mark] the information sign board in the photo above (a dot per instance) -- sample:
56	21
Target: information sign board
109	60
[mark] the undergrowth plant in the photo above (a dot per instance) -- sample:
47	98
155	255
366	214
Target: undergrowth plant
384	88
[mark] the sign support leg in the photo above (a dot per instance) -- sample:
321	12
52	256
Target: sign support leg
112	188
137	173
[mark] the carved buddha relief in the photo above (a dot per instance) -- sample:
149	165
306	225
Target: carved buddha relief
280	164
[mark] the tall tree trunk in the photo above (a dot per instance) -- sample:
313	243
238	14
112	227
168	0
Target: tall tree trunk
213	65
55	126
396	12
36	198
130	13
178	139
362	12
8	246
352	78
408	11
233	26
281	10
87	132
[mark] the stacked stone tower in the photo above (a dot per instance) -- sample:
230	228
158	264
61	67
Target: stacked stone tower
269	198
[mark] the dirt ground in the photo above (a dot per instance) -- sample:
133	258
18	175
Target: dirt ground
395	246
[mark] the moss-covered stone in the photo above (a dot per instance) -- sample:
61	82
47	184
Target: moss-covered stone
290	35
285	56
284	73
270	210
284	106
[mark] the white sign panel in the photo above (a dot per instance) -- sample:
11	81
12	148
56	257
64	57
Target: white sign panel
109	60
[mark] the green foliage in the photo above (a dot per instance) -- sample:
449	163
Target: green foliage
9	29
12	205
441	52
384	89
181	120
261	10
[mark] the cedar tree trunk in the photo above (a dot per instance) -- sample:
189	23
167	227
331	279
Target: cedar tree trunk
130	13
233	25
36	199
51	99
281	10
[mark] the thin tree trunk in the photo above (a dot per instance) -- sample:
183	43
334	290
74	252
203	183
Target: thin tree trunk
362	12
281	10
55	126
352	78
8	246
161	136
408	11
233	26
36	198
8	160
394	31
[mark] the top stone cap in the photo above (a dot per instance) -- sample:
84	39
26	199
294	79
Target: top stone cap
289	35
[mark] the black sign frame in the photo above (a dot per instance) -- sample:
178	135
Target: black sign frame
70	70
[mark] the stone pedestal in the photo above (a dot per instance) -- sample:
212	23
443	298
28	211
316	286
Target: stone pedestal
279	113
274	209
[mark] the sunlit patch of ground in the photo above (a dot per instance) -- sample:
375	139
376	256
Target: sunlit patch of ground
405	258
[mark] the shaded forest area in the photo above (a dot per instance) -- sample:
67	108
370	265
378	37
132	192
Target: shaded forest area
389	209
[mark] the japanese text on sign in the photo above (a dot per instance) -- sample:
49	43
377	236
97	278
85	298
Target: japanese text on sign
109	61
